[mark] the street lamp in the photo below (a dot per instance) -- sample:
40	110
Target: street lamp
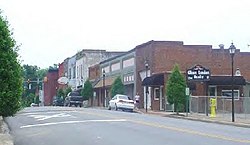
146	66
232	52
103	86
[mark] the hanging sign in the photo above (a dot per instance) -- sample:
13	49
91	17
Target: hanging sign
198	73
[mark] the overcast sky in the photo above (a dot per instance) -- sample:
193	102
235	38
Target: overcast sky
52	30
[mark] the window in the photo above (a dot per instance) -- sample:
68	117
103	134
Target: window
156	93
106	69
212	91
70	77
128	62
74	72
228	94
128	78
115	66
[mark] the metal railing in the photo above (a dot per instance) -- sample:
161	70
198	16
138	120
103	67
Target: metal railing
201	105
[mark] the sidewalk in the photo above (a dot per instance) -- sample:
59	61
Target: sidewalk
201	117
5	138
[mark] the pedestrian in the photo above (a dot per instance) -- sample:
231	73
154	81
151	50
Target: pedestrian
137	100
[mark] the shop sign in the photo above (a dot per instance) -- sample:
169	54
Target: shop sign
198	73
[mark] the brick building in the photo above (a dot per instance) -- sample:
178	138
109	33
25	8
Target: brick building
161	57
50	86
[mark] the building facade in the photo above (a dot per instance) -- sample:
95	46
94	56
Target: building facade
160	57
120	66
87	58
50	86
71	72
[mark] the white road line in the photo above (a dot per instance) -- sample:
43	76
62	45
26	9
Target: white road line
51	112
45	117
70	122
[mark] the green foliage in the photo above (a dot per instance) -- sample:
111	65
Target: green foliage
41	73
175	91
54	67
32	73
30	98
36	100
10	72
87	91
117	87
60	92
67	90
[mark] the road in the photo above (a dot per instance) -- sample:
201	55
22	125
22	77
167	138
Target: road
87	126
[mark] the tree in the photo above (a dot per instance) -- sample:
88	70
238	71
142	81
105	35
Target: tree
175	91
117	87
60	93
31	73
10	72
87	91
67	91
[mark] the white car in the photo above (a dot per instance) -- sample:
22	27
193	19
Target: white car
122	102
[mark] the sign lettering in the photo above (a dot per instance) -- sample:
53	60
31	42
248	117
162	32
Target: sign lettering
198	73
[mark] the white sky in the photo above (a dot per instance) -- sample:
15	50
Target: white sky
52	30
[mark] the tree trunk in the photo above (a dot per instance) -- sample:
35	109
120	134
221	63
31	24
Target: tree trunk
176	108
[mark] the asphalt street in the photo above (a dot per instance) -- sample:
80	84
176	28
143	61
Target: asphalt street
87	126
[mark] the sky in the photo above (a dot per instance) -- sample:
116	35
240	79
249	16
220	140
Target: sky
49	31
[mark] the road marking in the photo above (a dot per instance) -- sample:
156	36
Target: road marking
71	122
189	131
50	112
45	117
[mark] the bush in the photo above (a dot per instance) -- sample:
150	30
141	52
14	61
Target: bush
117	87
10	72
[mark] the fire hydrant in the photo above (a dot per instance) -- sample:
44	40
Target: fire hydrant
212	107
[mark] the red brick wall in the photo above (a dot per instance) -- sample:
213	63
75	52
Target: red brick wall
163	55
50	87
143	52
61	74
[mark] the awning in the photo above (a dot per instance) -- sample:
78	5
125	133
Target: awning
154	80
108	82
226	80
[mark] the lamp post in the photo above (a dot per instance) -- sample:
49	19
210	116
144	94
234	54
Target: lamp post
103	86
146	66
232	52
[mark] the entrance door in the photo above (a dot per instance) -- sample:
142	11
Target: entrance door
162	99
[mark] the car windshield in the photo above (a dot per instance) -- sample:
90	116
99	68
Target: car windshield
124	97
74	94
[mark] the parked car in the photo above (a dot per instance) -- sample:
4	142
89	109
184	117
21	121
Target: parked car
58	101
34	105
122	102
73	98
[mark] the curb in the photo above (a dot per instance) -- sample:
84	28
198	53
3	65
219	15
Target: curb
194	119
5	137
210	121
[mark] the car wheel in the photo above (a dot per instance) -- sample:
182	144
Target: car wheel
80	105
109	108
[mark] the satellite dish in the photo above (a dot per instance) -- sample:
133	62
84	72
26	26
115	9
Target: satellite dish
63	80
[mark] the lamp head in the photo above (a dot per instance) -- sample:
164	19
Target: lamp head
232	49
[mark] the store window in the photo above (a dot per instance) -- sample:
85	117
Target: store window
228	94
156	93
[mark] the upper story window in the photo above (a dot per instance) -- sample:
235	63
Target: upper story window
115	66
106	69
128	62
